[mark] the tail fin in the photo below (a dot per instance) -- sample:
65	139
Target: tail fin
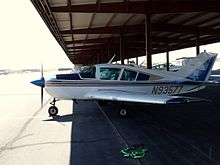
198	68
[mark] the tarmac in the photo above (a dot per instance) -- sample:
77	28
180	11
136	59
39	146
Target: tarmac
174	134
26	137
86	133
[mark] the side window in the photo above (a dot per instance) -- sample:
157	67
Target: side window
109	73
142	77
128	75
88	72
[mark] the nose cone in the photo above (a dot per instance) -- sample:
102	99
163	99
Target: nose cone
40	82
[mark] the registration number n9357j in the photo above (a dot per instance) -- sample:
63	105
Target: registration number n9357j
171	89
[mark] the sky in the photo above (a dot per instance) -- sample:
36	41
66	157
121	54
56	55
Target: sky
25	40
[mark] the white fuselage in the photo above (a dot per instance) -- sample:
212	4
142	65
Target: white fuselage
80	92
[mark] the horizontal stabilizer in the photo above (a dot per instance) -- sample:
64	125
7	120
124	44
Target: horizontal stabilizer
183	99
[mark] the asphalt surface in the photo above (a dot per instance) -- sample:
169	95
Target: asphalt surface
86	133
27	136
175	134
180	134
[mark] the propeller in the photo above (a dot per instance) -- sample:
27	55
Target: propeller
42	87
41	83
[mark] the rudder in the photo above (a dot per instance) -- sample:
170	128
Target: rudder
198	68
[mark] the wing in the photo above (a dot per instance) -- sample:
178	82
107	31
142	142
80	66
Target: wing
113	95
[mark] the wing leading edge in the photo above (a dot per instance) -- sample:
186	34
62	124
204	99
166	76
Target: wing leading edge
123	96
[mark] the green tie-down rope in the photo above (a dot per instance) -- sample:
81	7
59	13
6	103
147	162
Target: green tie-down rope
136	151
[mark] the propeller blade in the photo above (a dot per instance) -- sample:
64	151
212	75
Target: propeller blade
42	87
42	70
41	83
42	96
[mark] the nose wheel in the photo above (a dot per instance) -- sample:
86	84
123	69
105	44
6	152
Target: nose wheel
53	110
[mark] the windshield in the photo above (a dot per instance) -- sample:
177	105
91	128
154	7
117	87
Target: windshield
88	72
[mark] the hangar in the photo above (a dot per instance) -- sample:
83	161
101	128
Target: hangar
92	31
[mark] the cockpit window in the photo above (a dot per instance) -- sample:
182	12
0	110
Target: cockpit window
142	77
109	73
88	72
128	75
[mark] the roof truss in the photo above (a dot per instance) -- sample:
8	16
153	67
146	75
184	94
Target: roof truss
175	24
143	7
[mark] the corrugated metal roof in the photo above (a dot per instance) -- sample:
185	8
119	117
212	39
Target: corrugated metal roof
90	29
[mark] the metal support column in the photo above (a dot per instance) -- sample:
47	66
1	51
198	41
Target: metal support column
168	60
148	41
94	59
122	47
98	58
197	43
109	51
136	60
167	56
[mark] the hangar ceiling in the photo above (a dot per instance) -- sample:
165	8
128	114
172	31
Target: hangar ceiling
92	31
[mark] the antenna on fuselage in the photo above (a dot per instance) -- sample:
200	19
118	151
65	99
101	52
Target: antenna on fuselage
142	63
110	61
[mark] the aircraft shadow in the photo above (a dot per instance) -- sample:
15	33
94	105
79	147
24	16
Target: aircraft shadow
64	118
100	144
173	134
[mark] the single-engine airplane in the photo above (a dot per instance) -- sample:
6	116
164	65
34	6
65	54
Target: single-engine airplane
131	83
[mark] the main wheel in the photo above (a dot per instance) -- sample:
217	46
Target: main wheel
122	112
53	110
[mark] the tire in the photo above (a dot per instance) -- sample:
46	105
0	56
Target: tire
53	111
122	112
